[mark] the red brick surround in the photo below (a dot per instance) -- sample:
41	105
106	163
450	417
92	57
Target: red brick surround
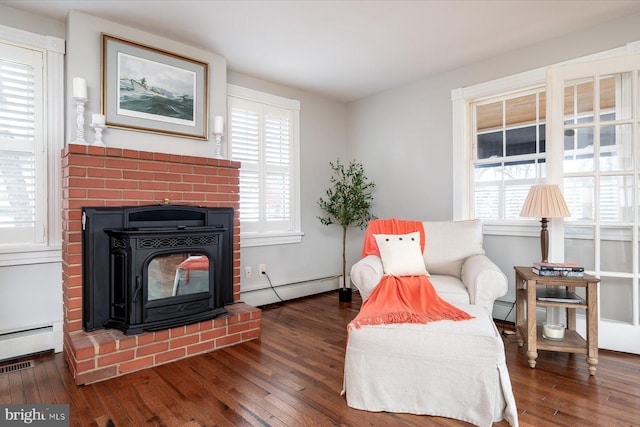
98	176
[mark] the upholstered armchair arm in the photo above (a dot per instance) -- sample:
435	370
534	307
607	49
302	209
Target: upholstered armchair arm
366	274
484	281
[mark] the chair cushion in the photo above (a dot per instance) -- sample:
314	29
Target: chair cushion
450	289
449	243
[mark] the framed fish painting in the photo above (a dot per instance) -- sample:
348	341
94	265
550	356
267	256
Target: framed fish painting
152	90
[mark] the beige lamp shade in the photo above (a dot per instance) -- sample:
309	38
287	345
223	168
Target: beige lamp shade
545	201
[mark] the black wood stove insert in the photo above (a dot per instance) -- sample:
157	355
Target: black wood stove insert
155	267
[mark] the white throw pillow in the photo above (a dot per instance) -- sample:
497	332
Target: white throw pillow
401	254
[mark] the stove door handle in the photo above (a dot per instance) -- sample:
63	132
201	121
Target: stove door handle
138	288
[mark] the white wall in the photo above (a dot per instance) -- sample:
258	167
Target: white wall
322	134
29	22
404	135
84	60
30	295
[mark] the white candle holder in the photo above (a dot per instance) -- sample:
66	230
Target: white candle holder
80	120
218	137
98	130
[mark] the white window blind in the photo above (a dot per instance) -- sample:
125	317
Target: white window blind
22	170
277	153
263	138
245	147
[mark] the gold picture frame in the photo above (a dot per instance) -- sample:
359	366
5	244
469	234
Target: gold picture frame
152	90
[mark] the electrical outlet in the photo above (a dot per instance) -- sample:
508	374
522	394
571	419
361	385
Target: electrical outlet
262	269
247	272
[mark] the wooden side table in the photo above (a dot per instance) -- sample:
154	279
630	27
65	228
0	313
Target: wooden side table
527	330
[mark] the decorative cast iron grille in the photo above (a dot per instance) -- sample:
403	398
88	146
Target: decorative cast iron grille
119	243
172	242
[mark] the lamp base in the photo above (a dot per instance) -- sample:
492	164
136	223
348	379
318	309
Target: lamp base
544	240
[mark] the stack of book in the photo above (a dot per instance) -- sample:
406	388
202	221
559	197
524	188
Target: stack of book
558	269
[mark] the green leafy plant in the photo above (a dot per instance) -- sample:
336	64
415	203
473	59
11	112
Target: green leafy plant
347	202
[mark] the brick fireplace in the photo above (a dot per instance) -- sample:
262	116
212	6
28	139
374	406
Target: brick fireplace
99	176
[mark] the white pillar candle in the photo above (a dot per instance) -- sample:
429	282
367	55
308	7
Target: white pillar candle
97	119
553	331
79	87
218	125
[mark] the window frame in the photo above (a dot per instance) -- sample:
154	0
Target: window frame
53	50
506	161
463	143
264	238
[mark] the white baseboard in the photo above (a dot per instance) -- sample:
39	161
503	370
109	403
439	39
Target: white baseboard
264	296
19	344
58	337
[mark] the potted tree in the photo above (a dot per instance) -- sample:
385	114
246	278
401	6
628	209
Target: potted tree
347	203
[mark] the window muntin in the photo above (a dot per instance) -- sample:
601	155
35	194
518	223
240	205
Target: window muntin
509	152
598	149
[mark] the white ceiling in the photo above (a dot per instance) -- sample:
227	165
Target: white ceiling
348	49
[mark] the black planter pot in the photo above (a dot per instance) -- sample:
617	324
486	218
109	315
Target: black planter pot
344	294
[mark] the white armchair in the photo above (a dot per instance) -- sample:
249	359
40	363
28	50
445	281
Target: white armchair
383	360
454	256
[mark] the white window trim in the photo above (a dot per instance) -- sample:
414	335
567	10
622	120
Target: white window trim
280	238
53	49
461	99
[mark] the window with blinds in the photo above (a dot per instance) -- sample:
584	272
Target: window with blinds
22	163
262	137
509	153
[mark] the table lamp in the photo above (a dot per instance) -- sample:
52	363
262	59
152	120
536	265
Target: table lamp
545	201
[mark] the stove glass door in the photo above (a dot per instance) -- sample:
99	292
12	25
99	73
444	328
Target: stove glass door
177	274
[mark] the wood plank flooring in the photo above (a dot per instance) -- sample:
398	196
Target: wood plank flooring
292	376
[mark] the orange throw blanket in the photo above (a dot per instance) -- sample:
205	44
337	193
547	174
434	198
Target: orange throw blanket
405	299
389	226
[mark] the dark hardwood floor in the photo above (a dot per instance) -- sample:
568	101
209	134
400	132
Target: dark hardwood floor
292	376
